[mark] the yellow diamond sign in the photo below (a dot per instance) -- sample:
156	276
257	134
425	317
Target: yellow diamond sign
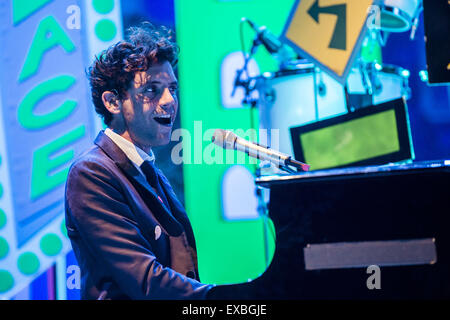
328	32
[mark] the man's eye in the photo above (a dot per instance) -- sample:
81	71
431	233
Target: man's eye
155	91
152	90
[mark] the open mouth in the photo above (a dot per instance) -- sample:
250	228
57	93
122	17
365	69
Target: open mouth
165	119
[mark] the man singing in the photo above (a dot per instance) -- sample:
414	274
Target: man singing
130	234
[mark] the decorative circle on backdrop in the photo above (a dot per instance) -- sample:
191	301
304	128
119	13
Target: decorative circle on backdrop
105	30
103	6
2	218
51	244
6	281
28	263
4	247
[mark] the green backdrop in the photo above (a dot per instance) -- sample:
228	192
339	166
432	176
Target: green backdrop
207	30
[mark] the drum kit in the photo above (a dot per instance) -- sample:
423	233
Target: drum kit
300	93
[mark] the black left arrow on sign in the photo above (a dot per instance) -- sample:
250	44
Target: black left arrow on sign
339	39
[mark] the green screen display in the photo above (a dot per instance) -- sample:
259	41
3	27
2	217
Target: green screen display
352	141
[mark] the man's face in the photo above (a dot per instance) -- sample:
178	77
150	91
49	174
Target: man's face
151	106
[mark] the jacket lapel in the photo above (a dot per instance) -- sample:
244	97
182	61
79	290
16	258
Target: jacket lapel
159	210
177	209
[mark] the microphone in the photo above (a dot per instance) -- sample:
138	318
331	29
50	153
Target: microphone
267	38
228	140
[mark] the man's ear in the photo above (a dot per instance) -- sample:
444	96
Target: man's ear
111	102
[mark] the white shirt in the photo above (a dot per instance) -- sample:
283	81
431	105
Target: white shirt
133	152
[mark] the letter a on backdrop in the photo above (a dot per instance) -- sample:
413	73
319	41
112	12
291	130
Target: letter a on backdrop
328	32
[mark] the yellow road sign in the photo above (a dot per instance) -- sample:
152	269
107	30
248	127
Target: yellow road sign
328	31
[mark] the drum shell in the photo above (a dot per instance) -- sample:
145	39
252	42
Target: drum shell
402	11
307	95
407	6
293	100
384	83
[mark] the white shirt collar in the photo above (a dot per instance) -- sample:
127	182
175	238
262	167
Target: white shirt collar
133	152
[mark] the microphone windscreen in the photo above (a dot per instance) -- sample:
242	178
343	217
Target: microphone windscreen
223	138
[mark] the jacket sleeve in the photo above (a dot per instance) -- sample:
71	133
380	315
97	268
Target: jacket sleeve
106	225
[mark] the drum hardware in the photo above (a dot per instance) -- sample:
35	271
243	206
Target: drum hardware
423	75
395	16
378	81
398	15
321	87
415	22
270	95
348	100
399	24
382	37
295	65
403	75
375	83
367	77
316	103
369	83
274	46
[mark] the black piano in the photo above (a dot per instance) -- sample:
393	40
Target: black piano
377	232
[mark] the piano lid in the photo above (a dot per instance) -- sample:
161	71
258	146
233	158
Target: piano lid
354	172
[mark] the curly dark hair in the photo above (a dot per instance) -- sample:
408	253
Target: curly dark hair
114	69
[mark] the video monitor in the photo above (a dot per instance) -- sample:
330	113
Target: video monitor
373	135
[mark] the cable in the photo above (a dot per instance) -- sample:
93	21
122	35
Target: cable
244	54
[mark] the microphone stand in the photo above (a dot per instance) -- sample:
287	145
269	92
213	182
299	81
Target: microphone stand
246	83
264	214
259	191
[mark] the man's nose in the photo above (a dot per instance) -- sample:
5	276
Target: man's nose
167	97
